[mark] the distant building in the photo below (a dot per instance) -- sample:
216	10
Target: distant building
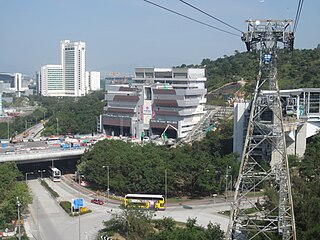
51	81
70	77
73	61
117	80
158	99
93	80
301	117
11	82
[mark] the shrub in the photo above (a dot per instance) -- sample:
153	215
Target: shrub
51	191
66	205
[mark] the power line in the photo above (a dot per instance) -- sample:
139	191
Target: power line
192	19
215	18
298	13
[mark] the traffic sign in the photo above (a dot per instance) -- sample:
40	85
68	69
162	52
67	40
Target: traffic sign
77	203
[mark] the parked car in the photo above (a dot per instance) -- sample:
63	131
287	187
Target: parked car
97	201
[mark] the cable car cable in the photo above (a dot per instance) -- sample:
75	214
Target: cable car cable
215	18
298	13
190	18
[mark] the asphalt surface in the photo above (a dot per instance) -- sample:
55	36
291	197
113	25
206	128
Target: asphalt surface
48	221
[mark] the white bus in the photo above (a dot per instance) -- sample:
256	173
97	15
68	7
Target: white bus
54	174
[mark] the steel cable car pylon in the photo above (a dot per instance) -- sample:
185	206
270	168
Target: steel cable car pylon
264	162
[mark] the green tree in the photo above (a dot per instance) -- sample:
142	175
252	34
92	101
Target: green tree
132	223
10	189
306	192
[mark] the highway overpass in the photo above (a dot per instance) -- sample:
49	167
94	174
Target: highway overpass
41	155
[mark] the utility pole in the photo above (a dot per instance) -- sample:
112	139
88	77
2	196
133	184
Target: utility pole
108	186
265	143
9	131
166	186
57	126
19	222
226	190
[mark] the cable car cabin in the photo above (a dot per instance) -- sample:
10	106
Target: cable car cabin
145	201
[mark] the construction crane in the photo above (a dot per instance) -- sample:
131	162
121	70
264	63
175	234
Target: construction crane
163	134
264	161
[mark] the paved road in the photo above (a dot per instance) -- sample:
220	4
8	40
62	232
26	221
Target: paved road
49	222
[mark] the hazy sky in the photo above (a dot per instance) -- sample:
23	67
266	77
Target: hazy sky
123	34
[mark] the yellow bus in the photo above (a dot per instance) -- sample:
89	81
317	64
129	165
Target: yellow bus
145	201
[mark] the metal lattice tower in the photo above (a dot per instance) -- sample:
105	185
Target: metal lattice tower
264	163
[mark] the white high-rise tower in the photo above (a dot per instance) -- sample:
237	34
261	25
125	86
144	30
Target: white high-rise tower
73	61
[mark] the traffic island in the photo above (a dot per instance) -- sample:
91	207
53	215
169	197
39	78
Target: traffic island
68	208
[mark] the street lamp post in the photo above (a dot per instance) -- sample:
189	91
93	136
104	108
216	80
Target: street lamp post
79	177
108	187
231	184
8	131
166	186
41	171
19	223
227	171
57	125
27	175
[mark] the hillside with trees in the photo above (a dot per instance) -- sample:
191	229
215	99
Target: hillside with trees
296	69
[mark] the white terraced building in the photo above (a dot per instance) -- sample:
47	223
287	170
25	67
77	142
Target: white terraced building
158	99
